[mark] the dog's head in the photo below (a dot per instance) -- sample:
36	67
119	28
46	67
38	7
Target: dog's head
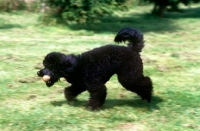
57	65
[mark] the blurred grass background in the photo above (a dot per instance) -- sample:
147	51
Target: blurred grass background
171	58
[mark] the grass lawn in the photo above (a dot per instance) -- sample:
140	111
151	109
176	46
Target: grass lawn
171	58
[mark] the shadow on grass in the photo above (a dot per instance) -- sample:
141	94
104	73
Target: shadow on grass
185	13
10	26
5	25
111	103
144	22
135	103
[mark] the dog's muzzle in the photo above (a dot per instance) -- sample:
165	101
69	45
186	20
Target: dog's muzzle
46	78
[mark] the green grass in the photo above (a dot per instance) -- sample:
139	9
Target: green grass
171	59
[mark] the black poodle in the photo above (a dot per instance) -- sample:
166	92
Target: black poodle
92	69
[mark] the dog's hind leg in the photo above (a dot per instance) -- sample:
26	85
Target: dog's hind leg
72	91
142	86
97	96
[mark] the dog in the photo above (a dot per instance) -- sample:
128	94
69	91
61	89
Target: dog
92	69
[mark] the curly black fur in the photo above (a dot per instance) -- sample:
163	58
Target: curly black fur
92	69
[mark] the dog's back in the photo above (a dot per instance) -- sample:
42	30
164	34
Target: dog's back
108	53
108	60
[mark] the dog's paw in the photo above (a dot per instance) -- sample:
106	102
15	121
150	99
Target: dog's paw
90	108
70	98
72	102
93	105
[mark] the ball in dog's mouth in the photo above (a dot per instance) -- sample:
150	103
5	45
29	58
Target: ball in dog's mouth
46	78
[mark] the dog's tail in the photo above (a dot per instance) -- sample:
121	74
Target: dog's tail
133	36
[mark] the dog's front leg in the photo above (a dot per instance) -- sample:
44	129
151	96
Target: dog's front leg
72	91
97	97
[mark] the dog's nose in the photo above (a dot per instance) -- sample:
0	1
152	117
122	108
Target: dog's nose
39	73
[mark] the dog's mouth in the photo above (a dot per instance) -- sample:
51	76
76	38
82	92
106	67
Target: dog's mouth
48	77
49	80
49	83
